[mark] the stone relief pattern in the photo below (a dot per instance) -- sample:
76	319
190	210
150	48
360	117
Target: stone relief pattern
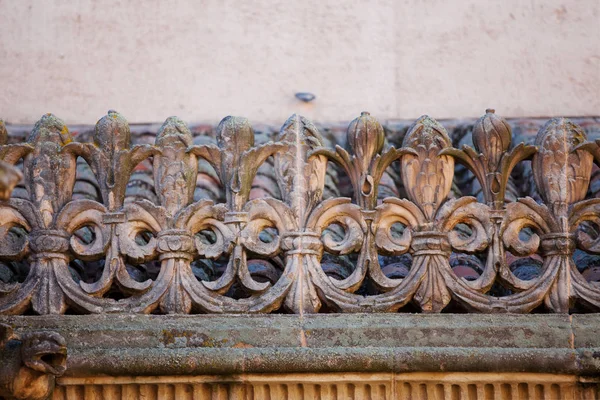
301	220
333	387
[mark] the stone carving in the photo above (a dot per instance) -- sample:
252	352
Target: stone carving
348	386
30	363
299	247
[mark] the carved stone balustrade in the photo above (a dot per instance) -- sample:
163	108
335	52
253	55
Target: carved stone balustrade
261	253
298	222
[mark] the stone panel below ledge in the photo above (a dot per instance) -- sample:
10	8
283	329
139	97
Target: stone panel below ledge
326	356
326	386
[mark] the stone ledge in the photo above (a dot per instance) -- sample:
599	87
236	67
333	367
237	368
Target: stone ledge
137	345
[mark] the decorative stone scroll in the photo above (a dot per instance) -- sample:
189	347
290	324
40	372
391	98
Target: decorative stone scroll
253	254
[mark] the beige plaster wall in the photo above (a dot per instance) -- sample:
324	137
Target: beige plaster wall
203	60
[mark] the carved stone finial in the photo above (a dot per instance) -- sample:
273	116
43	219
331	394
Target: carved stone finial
49	173
491	137
426	175
52	129
112	132
175	170
365	138
561	170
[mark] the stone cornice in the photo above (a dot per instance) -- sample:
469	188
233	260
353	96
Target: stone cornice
133	345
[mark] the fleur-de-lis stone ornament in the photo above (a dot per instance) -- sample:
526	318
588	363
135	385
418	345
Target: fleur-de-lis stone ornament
112	159
301	180
427	177
562	169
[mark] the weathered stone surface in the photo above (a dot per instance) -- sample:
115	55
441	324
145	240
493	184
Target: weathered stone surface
335	356
208	344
